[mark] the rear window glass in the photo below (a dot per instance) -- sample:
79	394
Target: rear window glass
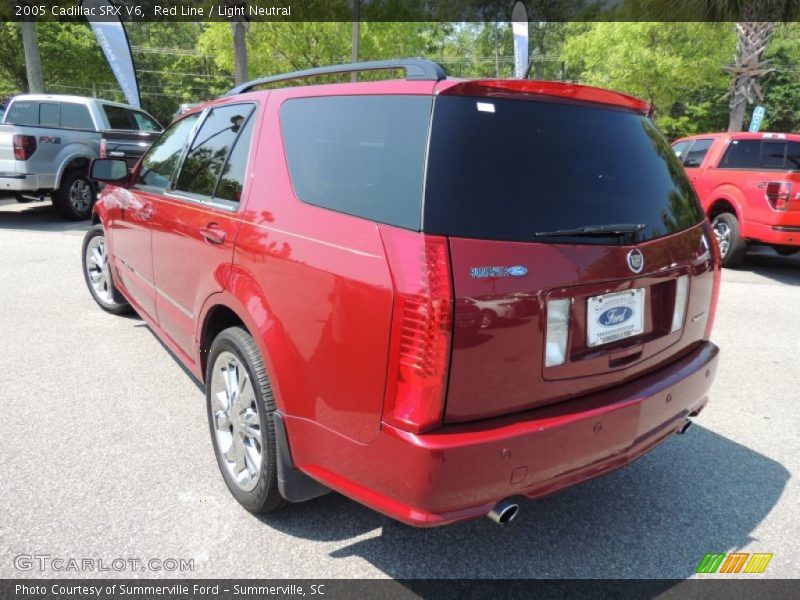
75	116
360	155
509	168
49	114
145	123
23	113
772	155
762	154
118	117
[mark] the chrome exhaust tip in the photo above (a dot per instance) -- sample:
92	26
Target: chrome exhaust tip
685	427
504	512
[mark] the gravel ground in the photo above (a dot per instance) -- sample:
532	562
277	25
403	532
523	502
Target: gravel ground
105	453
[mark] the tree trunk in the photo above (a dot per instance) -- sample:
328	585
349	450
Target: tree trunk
239	52
33	60
754	37
356	36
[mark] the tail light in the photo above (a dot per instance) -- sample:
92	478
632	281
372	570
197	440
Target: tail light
681	296
778	194
422	322
557	332
24	146
103	148
711	241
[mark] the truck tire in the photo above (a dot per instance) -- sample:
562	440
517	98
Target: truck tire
732	247
74	199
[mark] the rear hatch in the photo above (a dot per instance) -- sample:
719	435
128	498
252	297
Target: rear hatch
512	178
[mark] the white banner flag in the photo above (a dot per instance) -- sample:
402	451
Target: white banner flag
519	27
113	40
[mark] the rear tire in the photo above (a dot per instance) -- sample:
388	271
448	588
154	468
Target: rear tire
733	249
74	199
241	408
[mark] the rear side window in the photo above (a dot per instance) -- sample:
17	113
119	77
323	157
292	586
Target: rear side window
680	149
119	117
23	112
144	122
506	169
49	114
696	154
773	155
360	155
793	156
208	155
75	116
159	164
741	154
231	182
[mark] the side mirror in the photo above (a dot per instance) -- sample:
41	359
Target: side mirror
110	170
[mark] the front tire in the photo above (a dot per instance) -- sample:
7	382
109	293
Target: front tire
97	273
74	199
732	247
241	410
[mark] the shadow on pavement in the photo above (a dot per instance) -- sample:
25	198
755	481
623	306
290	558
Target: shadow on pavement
764	261
656	518
35	216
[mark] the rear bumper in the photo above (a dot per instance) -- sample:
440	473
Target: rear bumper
461	471
779	235
19	183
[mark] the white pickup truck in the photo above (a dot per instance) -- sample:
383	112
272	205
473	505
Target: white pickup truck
48	141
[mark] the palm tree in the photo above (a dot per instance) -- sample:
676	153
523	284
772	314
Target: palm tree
33	60
748	68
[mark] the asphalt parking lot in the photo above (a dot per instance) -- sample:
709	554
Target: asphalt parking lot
105	453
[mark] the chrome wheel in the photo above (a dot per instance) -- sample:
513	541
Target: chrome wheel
80	195
98	270
237	426
723	234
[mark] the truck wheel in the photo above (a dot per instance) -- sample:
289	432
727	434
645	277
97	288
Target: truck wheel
240	415
74	199
732	247
97	273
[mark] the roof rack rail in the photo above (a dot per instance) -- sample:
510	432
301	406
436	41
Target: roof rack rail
416	69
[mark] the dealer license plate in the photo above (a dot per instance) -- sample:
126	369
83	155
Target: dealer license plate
614	317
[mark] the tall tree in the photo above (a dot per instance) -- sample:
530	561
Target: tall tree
748	68
33	60
239	51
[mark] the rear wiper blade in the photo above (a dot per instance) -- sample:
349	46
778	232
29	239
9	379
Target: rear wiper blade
599	230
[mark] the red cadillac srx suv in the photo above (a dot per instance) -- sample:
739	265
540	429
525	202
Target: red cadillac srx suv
320	257
749	186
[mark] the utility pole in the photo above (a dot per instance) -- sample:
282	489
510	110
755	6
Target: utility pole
33	60
356	35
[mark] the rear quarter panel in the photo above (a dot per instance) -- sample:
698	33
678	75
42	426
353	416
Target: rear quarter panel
318	292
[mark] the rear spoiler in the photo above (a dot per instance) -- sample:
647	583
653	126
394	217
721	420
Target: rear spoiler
571	91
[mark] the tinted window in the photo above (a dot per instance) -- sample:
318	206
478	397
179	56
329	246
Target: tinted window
231	182
49	114
793	156
772	155
144	122
75	116
210	148
160	162
23	113
680	148
696	154
118	117
361	155
509	168
741	154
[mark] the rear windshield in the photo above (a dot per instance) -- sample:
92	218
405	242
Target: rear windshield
508	168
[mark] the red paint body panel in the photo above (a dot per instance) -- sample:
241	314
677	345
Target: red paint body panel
462	471
744	189
316	290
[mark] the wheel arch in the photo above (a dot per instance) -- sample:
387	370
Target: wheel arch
724	203
73	161
241	304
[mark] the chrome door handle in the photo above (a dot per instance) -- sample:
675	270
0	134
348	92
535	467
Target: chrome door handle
213	234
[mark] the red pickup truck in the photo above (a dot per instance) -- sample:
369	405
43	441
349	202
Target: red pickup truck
749	186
